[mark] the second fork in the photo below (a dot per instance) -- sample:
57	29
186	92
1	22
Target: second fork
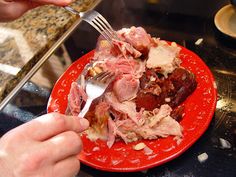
96	20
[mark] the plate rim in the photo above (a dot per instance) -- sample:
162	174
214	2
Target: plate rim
173	156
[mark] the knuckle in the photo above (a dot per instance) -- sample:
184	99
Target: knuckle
54	114
59	120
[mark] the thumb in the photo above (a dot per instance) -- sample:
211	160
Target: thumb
84	124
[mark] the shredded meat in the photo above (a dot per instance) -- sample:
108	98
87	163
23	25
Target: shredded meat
143	101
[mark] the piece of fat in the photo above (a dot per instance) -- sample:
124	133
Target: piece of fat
224	143
139	146
199	41
202	157
159	57
164	57
104	43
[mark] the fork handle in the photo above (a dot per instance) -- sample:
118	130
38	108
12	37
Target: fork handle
86	108
71	10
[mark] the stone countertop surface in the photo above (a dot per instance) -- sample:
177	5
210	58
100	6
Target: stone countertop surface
26	40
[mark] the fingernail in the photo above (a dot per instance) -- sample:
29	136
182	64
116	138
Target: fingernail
84	123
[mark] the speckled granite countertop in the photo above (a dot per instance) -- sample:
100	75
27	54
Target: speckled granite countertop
25	41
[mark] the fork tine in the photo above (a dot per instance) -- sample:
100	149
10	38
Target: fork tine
104	77
104	28
104	20
108	78
96	20
99	30
100	75
109	27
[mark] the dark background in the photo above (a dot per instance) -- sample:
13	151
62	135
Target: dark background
183	21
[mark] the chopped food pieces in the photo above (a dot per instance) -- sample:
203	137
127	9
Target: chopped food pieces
176	88
76	97
202	157
137	37
139	146
224	143
165	57
147	150
199	41
143	102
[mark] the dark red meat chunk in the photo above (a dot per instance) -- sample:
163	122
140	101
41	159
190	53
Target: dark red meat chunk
173	90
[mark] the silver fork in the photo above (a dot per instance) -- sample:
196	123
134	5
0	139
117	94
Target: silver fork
95	87
97	21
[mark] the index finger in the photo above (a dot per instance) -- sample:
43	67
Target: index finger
49	125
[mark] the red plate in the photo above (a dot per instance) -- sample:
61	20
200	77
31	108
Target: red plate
199	110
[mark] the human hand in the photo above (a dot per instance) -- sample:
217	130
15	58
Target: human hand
13	9
44	147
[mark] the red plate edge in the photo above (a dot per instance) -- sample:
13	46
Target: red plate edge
83	60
